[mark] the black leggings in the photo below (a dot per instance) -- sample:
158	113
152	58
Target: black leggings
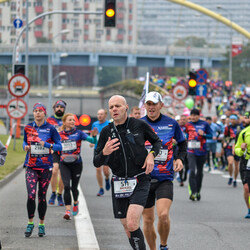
196	163
70	171
32	178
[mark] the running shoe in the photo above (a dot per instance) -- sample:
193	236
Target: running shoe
60	200
198	196
29	230
163	248
192	197
107	186
67	215
234	183
101	192
52	199
75	209
230	181
41	230
247	216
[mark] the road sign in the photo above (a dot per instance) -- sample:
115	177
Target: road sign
201	90
18	23
202	76
167	100
17	108
179	107
180	92
19	85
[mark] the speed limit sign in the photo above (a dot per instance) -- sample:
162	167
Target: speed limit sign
17	108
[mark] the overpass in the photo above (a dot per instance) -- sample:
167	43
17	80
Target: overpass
116	55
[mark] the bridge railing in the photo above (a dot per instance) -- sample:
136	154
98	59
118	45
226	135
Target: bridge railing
123	49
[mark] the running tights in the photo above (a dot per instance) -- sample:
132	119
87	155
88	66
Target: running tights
196	163
70	172
32	178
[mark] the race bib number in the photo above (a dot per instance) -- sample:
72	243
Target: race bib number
162	156
69	145
37	150
194	144
124	188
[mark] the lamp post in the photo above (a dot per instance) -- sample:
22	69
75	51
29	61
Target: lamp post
231	43
50	73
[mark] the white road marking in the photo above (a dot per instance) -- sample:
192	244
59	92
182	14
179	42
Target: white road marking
84	228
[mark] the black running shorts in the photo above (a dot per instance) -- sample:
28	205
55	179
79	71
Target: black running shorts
139	197
56	157
244	173
160	190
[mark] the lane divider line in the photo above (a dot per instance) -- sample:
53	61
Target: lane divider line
84	228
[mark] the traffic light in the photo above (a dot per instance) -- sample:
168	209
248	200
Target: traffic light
110	13
192	83
19	68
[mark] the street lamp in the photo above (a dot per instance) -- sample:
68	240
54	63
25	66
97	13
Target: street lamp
50	74
231	42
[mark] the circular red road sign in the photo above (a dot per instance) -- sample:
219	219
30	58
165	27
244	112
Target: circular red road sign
17	108
19	85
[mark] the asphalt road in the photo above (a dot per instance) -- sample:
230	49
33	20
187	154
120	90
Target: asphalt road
216	222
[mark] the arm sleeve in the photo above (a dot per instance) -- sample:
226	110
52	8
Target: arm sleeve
3	153
238	150
57	146
153	138
25	143
209	132
99	158
182	150
91	139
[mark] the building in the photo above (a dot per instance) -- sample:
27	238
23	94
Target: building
82	29
162	22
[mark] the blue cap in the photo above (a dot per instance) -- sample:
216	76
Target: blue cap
233	117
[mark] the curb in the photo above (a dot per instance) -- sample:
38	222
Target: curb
11	176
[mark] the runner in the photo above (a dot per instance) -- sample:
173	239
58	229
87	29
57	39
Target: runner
3	153
197	133
161	187
99	125
135	112
211	143
40	138
229	143
242	149
71	161
121	147
56	180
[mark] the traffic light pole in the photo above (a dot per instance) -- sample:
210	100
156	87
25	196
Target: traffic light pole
27	44
43	15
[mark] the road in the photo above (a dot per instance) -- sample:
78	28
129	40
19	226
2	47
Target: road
216	222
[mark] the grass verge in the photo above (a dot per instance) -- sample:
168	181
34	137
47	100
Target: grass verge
14	157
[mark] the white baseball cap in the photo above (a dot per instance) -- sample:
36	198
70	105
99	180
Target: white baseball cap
223	117
154	97
177	118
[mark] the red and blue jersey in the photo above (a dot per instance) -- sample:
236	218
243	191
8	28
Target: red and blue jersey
40	157
230	134
196	142
71	143
57	123
167	129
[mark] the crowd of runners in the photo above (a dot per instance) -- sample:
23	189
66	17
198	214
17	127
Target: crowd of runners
139	156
